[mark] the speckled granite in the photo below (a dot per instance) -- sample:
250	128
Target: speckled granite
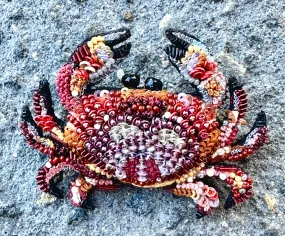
246	37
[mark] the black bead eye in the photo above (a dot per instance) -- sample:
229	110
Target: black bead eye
131	80
153	84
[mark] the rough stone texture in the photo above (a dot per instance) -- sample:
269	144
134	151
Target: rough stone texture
36	37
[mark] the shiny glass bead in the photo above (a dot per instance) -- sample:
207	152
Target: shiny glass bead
131	80
153	84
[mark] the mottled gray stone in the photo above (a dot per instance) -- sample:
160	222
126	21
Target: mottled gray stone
37	37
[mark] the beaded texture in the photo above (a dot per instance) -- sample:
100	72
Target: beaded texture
146	137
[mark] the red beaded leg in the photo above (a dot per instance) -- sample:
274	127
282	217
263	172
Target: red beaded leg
55	165
79	191
82	186
63	87
252	141
204	196
235	114
45	117
238	99
241	183
33	133
246	145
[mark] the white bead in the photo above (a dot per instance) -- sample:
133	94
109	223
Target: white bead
190	179
220	152
97	126
227	149
179	119
222	176
106	117
90	68
244	177
120	74
48	165
151	149
210	172
74	93
167	115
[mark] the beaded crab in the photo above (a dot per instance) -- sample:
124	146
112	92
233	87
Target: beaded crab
147	137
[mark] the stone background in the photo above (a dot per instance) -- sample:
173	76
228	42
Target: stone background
36	37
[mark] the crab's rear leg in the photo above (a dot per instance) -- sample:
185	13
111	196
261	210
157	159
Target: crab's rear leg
244	146
230	122
240	183
204	196
81	188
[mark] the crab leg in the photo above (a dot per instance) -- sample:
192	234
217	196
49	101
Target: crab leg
204	196
244	146
241	183
45	117
34	134
54	166
82	187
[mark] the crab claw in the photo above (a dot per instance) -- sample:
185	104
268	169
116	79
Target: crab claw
180	41
117	41
90	63
96	50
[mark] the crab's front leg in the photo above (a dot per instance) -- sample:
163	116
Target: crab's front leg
89	64
204	196
81	188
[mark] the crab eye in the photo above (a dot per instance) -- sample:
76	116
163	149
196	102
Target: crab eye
153	84
131	80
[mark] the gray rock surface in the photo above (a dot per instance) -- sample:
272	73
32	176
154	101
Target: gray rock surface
37	37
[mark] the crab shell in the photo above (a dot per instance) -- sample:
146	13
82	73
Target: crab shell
146	138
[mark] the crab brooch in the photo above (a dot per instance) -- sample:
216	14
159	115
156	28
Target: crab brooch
147	137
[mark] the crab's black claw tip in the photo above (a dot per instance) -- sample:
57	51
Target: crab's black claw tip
44	89
174	52
229	203
180	38
117	36
260	120
234	84
117	41
26	113
44	83
122	51
168	32
200	214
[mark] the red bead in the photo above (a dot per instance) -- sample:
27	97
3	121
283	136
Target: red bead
134	107
56	160
156	109
141	108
